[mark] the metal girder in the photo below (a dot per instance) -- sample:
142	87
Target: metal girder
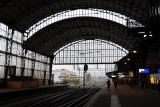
33	63
80	63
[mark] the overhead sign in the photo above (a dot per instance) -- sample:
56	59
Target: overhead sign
143	70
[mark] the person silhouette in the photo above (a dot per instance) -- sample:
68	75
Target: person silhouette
143	84
159	86
131	83
108	84
115	84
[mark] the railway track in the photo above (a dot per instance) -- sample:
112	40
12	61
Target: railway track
52	100
11	97
69	99
80	102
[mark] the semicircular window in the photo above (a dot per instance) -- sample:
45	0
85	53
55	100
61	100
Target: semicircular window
90	12
95	51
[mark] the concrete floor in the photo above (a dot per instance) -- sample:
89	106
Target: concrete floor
125	96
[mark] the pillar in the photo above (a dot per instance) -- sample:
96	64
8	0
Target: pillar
50	70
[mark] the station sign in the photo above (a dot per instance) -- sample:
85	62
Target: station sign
143	70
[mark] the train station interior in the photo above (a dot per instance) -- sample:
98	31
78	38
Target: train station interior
103	53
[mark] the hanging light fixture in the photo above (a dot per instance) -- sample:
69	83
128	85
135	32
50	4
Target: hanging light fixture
128	59
134	51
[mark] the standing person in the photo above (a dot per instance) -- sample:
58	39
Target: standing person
131	83
159	86
108	84
143	84
115	84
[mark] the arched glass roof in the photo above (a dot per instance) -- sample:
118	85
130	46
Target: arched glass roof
95	51
90	12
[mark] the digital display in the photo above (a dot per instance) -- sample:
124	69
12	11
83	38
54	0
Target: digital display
158	70
143	70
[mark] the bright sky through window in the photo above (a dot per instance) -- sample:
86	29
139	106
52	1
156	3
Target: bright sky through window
99	13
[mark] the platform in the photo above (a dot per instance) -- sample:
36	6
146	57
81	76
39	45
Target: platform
125	96
4	90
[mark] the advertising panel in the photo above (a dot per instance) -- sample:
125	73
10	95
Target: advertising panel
143	70
131	74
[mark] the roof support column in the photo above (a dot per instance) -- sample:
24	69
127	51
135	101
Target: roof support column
45	69
24	52
22	63
33	63
50	70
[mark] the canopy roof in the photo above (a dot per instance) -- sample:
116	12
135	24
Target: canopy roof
22	14
58	34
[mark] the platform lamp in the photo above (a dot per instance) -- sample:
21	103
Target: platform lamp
128	59
134	51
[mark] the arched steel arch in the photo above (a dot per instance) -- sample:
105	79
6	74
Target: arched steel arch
58	34
90	12
76	42
21	14
95	51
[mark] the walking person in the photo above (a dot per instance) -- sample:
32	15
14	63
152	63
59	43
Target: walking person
143	84
159	86
108	84
131	83
115	84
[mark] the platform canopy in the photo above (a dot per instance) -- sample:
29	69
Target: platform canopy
22	14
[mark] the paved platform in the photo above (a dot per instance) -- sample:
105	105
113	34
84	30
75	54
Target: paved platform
4	90
125	96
